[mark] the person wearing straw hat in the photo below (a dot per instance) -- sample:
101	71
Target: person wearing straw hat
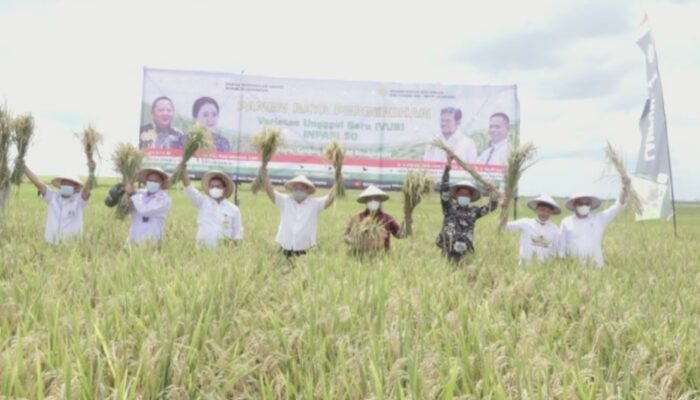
218	219
372	198
456	238
581	234
539	237
66	204
149	206
299	213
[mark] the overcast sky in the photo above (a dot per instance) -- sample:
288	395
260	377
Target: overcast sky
580	75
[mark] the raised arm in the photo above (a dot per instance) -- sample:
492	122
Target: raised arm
445	182
269	189
330	198
85	193
40	186
185	176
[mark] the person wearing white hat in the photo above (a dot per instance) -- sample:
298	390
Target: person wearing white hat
218	219
372	198
299	213
65	217
149	206
456	238
539	237
581	234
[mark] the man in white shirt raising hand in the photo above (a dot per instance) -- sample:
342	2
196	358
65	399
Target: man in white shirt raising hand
539	237
581	234
299	213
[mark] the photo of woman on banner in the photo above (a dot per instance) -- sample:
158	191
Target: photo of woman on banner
160	133
462	145
205	110
499	143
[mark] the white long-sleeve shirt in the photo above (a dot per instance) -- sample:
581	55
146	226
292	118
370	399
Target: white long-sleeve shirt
148	214
582	238
65	217
536	239
496	153
299	221
462	145
215	220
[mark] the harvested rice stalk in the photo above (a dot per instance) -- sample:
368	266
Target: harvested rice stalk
91	139
477	177
366	237
266	143
127	161
5	141
335	154
199	139
24	130
520	159
416	185
616	162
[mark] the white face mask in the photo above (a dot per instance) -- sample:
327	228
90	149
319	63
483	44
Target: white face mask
299	195
583	210
152	186
66	191
216	193
464	200
373	205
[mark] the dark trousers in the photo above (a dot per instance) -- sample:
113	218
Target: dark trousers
293	253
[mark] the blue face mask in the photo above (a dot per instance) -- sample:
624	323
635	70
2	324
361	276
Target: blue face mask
463	200
66	191
152	187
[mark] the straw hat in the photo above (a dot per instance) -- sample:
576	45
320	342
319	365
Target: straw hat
303	180
142	175
74	179
228	183
372	191
476	193
595	201
546	199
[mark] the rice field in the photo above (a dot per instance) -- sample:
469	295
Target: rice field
94	320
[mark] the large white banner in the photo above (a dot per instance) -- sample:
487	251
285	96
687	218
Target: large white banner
386	128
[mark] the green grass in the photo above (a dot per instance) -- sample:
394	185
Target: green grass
94	320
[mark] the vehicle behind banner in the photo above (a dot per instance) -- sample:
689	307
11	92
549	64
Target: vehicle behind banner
386	128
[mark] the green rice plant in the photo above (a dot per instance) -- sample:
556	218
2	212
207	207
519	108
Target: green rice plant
615	160
335	154
266	142
5	142
416	185
23	126
199	140
367	236
127	162
91	139
520	159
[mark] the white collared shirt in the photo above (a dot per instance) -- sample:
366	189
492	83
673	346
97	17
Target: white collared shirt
215	220
536	239
582	238
299	221
462	145
148	214
496	154
65	217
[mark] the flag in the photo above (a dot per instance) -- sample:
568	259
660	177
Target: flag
652	175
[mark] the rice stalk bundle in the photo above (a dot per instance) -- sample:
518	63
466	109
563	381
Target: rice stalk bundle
266	142
615	160
367	236
335	154
477	177
520	159
416	185
127	161
5	142
90	138
23	126
199	139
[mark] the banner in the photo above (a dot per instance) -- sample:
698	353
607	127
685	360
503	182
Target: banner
653	170
385	128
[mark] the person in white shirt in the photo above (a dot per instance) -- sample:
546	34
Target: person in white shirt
581	234
218	220
299	213
65	217
149	206
462	145
499	146
539	237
